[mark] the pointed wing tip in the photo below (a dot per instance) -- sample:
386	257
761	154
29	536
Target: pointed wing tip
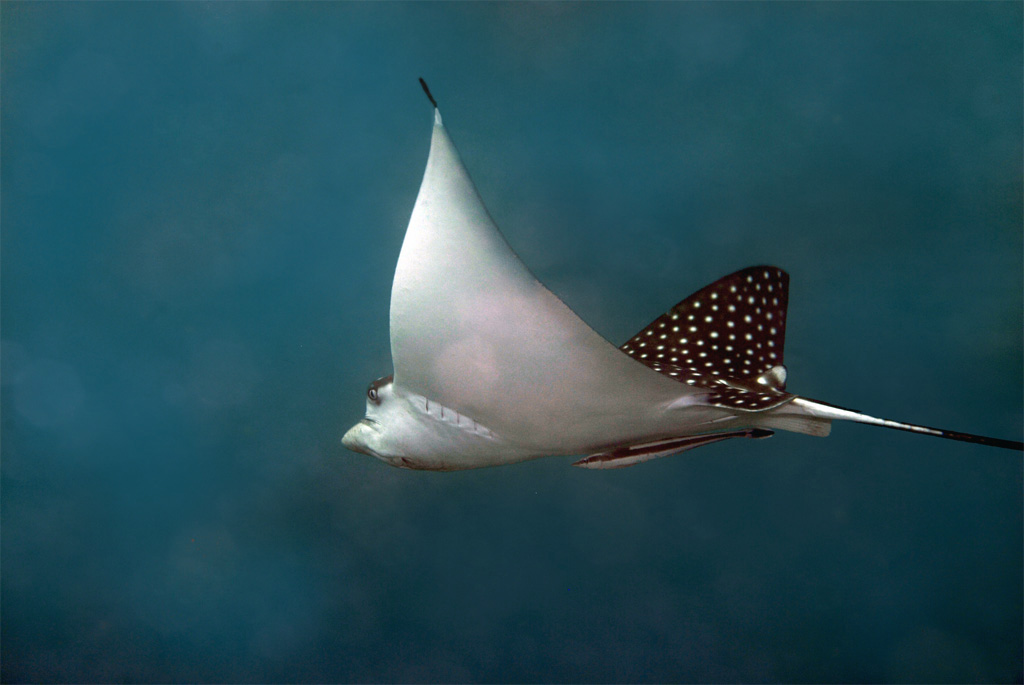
437	113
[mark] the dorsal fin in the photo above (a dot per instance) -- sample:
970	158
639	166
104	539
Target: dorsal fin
727	337
774	378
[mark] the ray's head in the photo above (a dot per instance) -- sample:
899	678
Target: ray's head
370	435
390	432
407	430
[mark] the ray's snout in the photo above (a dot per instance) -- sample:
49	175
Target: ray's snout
355	440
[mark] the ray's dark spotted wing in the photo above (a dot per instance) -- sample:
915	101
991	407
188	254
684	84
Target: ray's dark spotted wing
727	338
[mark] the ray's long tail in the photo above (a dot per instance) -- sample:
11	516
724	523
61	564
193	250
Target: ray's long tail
823	412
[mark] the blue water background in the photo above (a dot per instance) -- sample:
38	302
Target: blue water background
202	206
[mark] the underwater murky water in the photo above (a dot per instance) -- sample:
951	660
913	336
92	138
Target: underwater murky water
202	207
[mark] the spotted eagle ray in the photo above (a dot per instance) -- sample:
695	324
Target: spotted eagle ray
491	367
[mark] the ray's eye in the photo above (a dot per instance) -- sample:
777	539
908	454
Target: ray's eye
373	392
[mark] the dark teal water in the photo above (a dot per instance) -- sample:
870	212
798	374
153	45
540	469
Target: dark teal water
202	206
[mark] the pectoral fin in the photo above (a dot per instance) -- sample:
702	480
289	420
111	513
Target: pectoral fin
635	454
